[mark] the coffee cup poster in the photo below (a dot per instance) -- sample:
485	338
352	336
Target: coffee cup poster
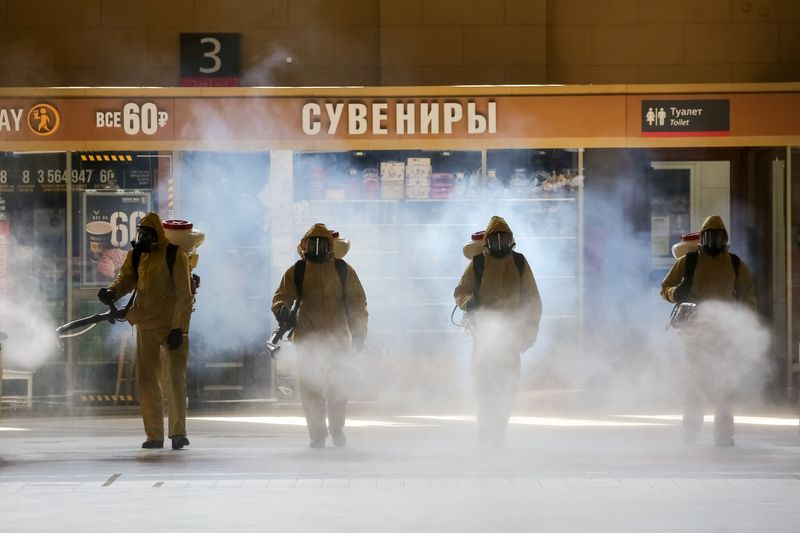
109	225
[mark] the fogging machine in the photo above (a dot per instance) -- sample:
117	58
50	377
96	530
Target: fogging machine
282	329
681	315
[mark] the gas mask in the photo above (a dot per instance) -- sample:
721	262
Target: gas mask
714	241
317	249
147	240
499	244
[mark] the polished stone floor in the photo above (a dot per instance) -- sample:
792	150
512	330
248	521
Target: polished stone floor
401	472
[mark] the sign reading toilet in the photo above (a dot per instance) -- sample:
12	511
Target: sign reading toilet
685	118
109	224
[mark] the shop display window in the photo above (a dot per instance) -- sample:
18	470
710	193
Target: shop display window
408	215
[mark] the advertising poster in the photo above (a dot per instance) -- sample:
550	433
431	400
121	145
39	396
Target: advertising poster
108	226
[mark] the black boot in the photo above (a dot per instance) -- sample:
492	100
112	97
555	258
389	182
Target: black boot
179	442
152	444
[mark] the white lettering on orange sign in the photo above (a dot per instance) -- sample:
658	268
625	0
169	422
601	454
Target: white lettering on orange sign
9	119
409	118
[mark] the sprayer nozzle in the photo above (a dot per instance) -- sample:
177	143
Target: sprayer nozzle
272	349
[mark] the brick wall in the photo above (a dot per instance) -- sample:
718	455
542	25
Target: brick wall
406	42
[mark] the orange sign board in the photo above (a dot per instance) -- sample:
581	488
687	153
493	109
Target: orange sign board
594	119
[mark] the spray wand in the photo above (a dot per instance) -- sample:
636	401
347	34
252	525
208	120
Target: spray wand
111	316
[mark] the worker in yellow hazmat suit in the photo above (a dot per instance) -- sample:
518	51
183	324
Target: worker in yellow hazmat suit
331	324
709	274
160	274
500	295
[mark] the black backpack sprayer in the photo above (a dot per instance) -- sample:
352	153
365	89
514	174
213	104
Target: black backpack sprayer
340	248
684	313
473	251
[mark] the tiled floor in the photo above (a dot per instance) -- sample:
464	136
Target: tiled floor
398	474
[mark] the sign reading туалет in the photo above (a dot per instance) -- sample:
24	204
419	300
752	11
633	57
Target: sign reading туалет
678	118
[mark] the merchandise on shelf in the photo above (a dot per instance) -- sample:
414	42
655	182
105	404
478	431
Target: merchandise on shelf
443	179
335	194
392	171
459	184
418	181
494	186
392	190
521	184
416	192
419	161
418	170
562	181
369	173
319	181
370	187
442	185
354	185
472	184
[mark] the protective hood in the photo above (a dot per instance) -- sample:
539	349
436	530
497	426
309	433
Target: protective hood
499	240
498	225
164	294
713	222
317	230
153	221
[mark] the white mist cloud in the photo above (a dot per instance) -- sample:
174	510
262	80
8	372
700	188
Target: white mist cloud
727	342
220	198
24	316
262	71
409	262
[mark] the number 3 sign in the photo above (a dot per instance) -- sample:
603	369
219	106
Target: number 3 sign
210	59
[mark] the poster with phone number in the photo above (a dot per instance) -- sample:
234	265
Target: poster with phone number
108	226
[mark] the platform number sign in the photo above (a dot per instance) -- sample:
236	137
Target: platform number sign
210	59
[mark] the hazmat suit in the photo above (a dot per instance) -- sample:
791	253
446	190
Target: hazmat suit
161	311
505	308
331	324
716	278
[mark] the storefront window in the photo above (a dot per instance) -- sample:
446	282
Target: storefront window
792	364
225	195
33	265
409	215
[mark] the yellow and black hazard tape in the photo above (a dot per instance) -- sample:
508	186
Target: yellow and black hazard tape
106	157
106	398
